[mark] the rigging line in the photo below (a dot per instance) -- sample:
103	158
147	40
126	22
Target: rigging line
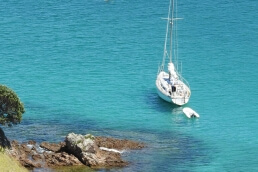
165	44
175	41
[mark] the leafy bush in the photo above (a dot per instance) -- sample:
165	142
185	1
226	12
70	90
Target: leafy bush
11	108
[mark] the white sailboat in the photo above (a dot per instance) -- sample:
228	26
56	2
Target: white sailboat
171	86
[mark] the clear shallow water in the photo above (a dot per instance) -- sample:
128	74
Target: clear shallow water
90	67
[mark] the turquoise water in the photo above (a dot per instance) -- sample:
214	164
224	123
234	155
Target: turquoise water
90	67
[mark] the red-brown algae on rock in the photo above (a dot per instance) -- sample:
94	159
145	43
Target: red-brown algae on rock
54	147
76	150
118	144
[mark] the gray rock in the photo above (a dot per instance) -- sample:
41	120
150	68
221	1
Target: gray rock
87	151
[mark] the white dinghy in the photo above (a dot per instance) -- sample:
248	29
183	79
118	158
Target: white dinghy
190	113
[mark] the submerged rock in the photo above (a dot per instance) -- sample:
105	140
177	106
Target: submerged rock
118	144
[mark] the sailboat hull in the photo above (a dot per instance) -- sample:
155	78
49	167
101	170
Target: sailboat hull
165	92
164	97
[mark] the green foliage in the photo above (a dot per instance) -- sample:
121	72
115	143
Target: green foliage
89	136
2	150
8	164
11	108
79	141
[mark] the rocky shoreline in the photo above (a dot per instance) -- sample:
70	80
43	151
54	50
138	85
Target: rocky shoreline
76	150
